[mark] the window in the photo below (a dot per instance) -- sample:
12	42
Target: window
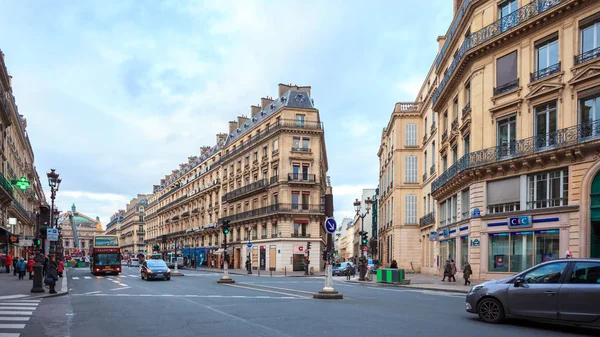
305	142
589	115
295	200
410	169
300	121
275	145
455	106
586	273
274	230
467	144
255	159
410	209
425	162
454	154
433	155
465	204
546	54
467	93
442	214
275	199
516	251
411	134
296	143
506	73
304	172
549	273
305	201
590	39
429	204
444	163
264	153
247	160
505	9
507	136
545	125
548	189
425	126
503	195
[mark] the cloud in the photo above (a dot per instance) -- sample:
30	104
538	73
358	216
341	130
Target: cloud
92	204
410	87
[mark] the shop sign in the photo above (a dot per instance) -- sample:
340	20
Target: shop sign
446	232
13	239
297	249
433	236
476	213
520	222
475	243
26	243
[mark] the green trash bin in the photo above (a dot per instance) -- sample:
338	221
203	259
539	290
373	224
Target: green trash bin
387	275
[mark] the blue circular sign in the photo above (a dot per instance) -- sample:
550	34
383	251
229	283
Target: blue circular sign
249	244
330	225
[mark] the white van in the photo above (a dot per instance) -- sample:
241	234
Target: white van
135	262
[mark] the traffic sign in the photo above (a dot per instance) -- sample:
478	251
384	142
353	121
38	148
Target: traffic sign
330	225
364	248
249	244
52	234
300	248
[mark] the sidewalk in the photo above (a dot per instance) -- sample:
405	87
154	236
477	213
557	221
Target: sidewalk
256	273
12	287
424	282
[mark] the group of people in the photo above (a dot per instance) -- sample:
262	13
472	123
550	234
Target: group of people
450	271
51	270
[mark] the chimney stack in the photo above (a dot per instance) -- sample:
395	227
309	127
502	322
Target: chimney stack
283	88
265	102
204	149
232	126
241	120
221	137
254	110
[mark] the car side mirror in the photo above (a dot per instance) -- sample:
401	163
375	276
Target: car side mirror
519	282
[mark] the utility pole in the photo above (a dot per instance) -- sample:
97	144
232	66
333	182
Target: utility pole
328	292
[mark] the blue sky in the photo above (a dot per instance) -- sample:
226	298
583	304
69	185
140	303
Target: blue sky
118	93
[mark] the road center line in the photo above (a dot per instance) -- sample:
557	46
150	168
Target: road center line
264	290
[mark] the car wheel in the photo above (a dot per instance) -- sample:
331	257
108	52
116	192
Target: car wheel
490	311
142	276
168	278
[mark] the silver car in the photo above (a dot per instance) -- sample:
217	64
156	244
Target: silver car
565	291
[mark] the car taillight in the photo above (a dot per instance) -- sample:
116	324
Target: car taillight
97	269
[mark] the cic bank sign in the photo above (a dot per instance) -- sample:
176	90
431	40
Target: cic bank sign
520	222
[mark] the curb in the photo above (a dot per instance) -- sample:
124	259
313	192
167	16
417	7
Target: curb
64	289
457	291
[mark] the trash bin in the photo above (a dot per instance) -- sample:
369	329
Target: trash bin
386	275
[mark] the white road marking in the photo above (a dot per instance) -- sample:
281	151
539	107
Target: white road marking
18	308
264	290
120	288
17	313
12	326
19	319
75	278
99	294
87	277
12	297
7	334
98	276
123	285
92	292
19	303
199	296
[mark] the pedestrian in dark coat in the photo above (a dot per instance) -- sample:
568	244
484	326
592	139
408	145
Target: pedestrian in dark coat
467	272
447	271
21	267
452	271
52	274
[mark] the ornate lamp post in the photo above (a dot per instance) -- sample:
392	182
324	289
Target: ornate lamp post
362	261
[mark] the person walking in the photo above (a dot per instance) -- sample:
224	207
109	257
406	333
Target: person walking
30	264
394	265
21	266
467	272
452	271
8	261
349	269
60	268
52	274
447	271
15	260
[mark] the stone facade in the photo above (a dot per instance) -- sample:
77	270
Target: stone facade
86	228
505	128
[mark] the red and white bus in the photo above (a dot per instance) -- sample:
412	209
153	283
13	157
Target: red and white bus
105	255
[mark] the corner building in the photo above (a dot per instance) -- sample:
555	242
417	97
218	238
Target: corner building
265	176
508	124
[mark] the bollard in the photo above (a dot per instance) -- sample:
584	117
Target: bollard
270	272
285	271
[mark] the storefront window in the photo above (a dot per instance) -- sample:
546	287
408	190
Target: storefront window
547	245
464	248
514	252
448	248
521	251
498	252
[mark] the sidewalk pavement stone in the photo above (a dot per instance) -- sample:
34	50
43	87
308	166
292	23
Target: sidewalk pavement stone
424	282
11	286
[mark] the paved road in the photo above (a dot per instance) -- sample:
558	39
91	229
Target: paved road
125	305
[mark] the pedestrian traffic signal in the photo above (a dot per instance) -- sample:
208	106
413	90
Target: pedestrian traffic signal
37	242
226	227
364	239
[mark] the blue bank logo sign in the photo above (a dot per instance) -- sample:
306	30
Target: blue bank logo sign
520	222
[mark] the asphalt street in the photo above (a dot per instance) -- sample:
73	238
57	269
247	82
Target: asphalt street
195	305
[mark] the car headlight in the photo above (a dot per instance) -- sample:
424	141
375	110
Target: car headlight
476	288
148	271
168	270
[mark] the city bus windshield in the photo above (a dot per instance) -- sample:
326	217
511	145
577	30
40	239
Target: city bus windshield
111	259
105	241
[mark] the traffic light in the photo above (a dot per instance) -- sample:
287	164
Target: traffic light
37	242
364	238
226	227
308	246
324	255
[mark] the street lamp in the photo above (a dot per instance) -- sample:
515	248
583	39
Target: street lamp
362	261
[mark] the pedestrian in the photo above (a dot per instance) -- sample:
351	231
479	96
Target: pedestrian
467	273
45	269
452	270
8	261
15	260
60	268
349	269
447	271
21	267
568	254
30	264
394	265
51	274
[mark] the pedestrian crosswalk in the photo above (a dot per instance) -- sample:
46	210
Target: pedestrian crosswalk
15	314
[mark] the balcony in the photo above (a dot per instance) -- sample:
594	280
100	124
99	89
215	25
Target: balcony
300	235
542	73
274	180
454	124
185	214
302	178
574	135
501	89
281	124
175	218
274	236
444	136
587	56
466	110
170	192
242	191
424	138
424	176
427	219
272	209
195	211
504	25
264	236
300	149
433	127
432	170
176	201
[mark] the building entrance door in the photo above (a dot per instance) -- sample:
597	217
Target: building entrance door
595	218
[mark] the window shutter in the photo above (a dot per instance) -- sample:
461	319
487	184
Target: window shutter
411	134
410	169
410	207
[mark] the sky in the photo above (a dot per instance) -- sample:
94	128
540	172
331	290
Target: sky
118	93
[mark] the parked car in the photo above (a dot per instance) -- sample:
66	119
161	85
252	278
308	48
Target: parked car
123	262
135	262
155	269
564	291
341	269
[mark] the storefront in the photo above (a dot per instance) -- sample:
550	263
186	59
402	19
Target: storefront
514	244
454	244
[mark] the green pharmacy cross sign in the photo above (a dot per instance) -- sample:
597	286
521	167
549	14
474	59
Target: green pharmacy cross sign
22	183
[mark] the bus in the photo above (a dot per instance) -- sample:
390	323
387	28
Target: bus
105	255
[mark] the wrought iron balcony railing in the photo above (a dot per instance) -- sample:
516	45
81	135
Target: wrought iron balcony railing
424	176
255	186
180	199
455	123
424	138
587	56
300	235
276	208
432	170
433	126
184	214
538	75
427	219
282	123
547	203
506	87
487	33
466	109
444	135
302	177
301	149
264	236
573	135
